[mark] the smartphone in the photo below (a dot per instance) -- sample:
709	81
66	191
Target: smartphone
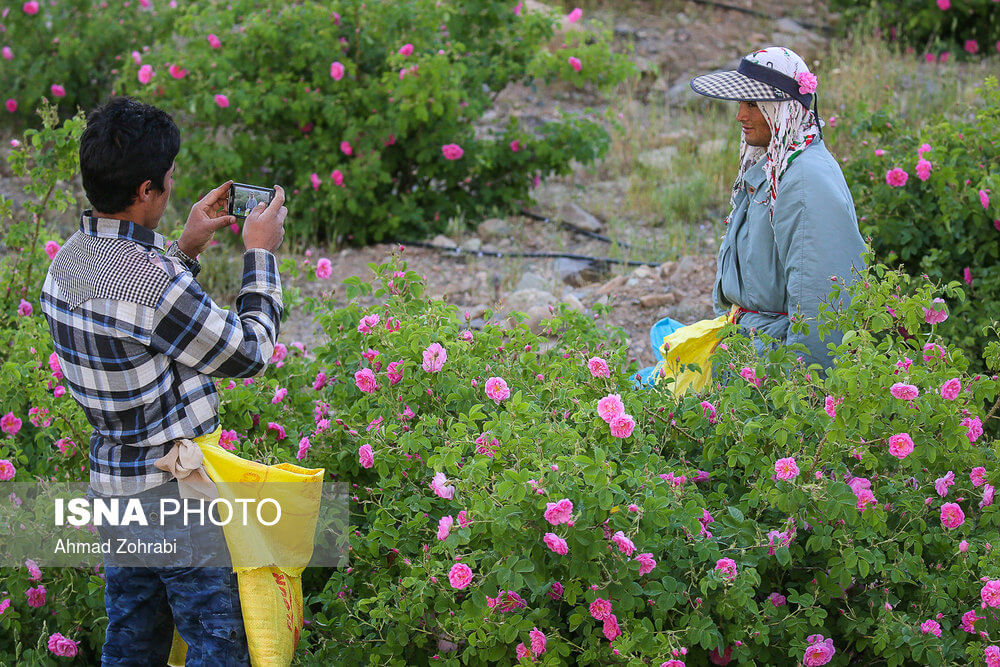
243	198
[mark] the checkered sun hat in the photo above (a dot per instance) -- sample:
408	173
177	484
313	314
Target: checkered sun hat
767	75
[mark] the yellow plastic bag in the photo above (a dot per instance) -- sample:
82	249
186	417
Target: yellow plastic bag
271	596
693	344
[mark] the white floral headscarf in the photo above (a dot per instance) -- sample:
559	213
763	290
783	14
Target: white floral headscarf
793	127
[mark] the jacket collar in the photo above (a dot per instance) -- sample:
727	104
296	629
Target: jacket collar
111	228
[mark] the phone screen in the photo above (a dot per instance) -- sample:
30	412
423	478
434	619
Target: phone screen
243	198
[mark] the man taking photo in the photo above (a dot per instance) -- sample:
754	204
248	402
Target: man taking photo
139	342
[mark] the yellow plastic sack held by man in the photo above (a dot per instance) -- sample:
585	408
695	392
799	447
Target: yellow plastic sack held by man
268	560
693	344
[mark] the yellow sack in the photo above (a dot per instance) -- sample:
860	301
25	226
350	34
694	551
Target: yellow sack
271	596
693	344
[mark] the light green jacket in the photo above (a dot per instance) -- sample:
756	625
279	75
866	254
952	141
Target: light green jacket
788	269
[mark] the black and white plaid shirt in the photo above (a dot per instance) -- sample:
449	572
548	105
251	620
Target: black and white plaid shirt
138	341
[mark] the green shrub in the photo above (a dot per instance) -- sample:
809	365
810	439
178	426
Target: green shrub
956	26
286	119
838	571
75	44
947	226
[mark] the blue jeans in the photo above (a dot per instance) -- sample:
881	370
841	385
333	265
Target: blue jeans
145	603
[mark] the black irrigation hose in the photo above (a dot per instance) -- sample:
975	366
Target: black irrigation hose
753	12
537	255
569	225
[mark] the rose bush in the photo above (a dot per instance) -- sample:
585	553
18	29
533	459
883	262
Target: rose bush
944	221
959	27
371	111
70	51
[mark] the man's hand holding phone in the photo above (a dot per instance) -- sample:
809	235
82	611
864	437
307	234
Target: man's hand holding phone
265	225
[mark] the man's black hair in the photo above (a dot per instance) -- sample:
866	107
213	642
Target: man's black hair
125	144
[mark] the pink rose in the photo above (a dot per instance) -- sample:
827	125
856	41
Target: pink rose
515	146
7	470
304	446
439	485
923	169
971	46
990	594
598	367
969	619
36	596
460	575
900	445
951	389
600	609
444	527
941	484
623	543
963	546
57	90
575	63
538	641
145	74
11	105
952	515
727	566
819	652
906	392
807	82
944	5
222	100
555	590
896	177
622	425
10	424
559	512
51	248
367	323
777	599
278	429
923	149
574	15
365	380
366	457
452	151
228	440
992	653
936	313
786	468
434	358
336	71
279	395
7	53
324	268
337	176
315	180
214	42
30	7
967	275
975	426
611	629
177	72
556	543
646	563
345	148
708	410
984	198
406	50
24	309
62	646
496	389
610	407
988	492
978	476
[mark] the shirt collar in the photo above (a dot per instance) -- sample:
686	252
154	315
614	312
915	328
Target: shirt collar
112	228
754	176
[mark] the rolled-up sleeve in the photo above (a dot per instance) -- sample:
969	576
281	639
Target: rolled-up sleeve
193	330
817	238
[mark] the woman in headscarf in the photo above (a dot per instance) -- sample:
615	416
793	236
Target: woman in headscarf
792	227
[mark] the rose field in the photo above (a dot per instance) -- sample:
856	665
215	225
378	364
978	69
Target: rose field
515	498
